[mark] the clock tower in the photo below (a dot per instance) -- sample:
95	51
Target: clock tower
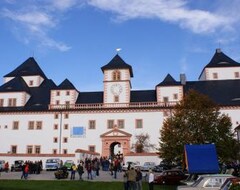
117	81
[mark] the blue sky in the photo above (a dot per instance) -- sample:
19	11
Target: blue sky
73	39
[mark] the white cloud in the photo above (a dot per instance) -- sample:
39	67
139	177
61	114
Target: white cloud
64	4
34	23
175	11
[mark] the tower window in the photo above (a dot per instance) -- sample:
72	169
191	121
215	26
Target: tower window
215	75
116	98
116	75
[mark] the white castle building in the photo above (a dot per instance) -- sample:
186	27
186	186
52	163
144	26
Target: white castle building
39	119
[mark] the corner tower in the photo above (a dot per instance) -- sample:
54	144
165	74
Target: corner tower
117	81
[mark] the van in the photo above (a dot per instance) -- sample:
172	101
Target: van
2	163
53	164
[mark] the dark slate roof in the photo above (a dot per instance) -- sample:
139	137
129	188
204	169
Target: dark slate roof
117	63
143	96
169	81
90	97
15	85
66	85
222	92
219	59
27	68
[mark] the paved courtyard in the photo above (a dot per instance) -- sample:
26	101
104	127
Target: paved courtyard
49	175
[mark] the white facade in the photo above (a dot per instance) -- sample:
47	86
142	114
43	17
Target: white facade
70	124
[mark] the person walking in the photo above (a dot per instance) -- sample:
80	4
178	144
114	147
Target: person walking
80	170
132	174
139	179
89	170
150	180
73	171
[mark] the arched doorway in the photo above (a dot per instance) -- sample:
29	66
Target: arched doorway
115	140
115	148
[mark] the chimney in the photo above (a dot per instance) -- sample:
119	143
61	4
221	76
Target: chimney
218	50
183	79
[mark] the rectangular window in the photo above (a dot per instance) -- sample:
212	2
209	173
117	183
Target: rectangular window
165	99
1	102
39	125
30	125
65	151
215	75
66	126
14	149
236	74
15	125
57	102
65	139
58	93
67	93
67	103
12	102
55	116
139	123
29	149
66	115
55	127
55	139
31	83
54	151
110	124
92	124
91	148
120	124
175	96
116	98
38	149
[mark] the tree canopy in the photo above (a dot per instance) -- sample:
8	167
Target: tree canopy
197	120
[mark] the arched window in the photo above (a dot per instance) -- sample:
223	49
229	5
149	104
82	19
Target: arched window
116	75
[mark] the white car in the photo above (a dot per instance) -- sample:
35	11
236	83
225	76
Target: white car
210	182
53	164
147	166
130	164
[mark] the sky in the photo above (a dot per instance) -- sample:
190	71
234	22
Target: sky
73	39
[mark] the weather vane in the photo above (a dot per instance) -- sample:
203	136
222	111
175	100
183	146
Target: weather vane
118	49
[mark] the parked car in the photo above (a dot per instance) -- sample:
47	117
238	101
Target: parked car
170	177
53	164
2	163
130	164
68	164
17	165
147	166
211	181
61	173
160	168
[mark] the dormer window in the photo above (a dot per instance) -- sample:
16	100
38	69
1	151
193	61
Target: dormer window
116	75
215	76
12	102
31	83
236	74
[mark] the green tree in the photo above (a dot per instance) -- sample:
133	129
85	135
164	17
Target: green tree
197	120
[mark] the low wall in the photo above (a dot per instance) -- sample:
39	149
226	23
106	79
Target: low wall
142	157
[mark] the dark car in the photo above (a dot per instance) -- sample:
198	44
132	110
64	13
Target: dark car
17	166
170	177
160	168
61	173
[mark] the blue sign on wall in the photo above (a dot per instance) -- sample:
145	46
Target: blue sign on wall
78	131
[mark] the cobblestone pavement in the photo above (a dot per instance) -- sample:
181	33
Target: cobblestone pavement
49	175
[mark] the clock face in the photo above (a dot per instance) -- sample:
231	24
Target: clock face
116	89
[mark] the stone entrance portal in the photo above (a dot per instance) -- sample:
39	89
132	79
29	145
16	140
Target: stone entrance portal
113	138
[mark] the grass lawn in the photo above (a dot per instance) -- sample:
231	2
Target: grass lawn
68	185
